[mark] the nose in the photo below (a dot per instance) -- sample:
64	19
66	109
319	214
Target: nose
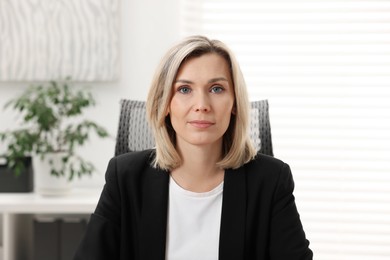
202	103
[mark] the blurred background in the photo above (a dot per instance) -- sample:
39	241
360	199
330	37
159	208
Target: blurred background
323	65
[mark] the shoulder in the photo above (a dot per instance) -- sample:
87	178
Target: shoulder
268	177
265	162
132	163
267	167
135	158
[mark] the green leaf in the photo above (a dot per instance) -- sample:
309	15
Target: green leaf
44	110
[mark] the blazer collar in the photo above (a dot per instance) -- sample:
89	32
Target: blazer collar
153	231
232	234
154	214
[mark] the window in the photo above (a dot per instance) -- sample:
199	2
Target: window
324	66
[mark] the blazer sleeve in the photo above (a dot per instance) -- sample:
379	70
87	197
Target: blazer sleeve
288	240
102	238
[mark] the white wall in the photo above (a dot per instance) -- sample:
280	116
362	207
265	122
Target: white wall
147	29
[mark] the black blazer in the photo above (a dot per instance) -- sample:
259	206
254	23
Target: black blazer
259	217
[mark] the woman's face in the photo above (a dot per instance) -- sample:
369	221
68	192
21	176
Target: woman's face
202	101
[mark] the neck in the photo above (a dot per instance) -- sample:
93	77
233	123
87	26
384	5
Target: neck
199	172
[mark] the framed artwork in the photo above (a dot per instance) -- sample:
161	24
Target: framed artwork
52	39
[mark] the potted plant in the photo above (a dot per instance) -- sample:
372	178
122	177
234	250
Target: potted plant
52	127
22	182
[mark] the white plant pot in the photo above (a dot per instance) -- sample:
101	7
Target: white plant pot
47	184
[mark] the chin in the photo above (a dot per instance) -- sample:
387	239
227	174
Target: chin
205	142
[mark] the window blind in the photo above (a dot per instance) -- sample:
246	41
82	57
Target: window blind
324	66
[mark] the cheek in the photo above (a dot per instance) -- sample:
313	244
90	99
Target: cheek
229	106
172	106
176	107
227	111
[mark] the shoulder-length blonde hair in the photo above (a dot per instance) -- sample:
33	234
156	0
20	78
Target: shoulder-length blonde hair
237	147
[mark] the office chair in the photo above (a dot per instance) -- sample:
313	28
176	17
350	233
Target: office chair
134	133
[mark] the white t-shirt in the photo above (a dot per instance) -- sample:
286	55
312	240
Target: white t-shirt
193	223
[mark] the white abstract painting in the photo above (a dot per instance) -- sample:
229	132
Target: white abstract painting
53	39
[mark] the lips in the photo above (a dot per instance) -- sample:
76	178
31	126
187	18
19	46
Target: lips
201	123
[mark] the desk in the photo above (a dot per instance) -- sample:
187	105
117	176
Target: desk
18	209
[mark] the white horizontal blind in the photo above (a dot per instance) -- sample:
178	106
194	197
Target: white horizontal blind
324	66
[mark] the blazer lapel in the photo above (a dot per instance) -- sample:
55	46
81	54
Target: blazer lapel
155	192
232	234
154	214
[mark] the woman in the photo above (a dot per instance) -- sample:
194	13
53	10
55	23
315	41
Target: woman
203	192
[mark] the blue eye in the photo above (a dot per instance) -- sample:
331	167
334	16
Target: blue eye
216	89
184	90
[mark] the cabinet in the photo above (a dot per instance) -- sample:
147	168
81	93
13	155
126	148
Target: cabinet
17	211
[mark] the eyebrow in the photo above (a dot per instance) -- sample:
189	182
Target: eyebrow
210	81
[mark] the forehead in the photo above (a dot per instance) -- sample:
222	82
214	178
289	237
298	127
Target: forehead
207	65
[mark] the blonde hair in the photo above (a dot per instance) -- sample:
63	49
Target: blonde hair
237	146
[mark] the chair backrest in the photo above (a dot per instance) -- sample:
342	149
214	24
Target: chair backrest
134	133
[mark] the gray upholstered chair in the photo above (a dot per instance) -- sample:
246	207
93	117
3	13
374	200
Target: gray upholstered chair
135	135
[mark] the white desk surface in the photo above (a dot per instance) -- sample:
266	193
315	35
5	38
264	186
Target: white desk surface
79	200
